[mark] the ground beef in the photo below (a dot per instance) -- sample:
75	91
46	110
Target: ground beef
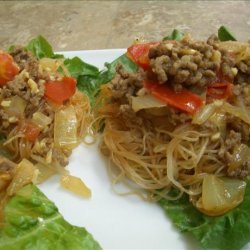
129	115
241	127
176	117
243	76
187	63
60	156
19	86
125	84
232	140
241	172
27	61
29	84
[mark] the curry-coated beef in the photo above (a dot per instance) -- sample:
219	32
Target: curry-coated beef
189	63
26	60
29	84
125	84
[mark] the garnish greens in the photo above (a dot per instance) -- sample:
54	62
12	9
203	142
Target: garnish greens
175	35
225	34
89	78
40	47
31	221
230	231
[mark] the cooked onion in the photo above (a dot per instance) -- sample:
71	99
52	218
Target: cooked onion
50	64
41	120
65	128
204	113
219	195
45	171
146	102
236	111
75	185
25	173
17	105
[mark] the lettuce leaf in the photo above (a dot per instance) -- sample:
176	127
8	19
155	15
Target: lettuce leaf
224	34
33	222
77	67
40	48
90	83
175	35
227	232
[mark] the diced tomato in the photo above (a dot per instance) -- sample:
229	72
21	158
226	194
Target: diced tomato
60	90
183	100
221	78
220	90
30	130
139	54
8	68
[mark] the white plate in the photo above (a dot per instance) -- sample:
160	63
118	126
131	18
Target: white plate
116	222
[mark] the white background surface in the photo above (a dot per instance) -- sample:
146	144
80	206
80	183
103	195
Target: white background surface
116	222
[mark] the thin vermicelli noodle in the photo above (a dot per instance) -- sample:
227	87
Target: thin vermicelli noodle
160	140
186	149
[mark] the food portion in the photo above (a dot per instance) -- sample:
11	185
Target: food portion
43	115
33	222
181	121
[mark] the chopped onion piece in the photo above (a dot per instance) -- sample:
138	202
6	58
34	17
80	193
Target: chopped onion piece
204	113
50	64
75	185
41	120
219	120
146	102
65	128
25	174
237	111
17	105
45	171
219	195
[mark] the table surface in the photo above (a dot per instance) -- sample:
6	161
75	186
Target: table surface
83	25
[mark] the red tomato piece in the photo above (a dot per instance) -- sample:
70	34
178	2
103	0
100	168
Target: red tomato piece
8	68
183	100
60	90
139	54
30	130
220	90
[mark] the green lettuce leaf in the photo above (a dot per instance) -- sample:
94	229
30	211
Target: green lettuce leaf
40	48
77	67
90	83
227	232
175	35
33	222
225	34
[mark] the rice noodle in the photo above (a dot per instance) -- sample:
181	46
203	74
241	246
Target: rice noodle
155	162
